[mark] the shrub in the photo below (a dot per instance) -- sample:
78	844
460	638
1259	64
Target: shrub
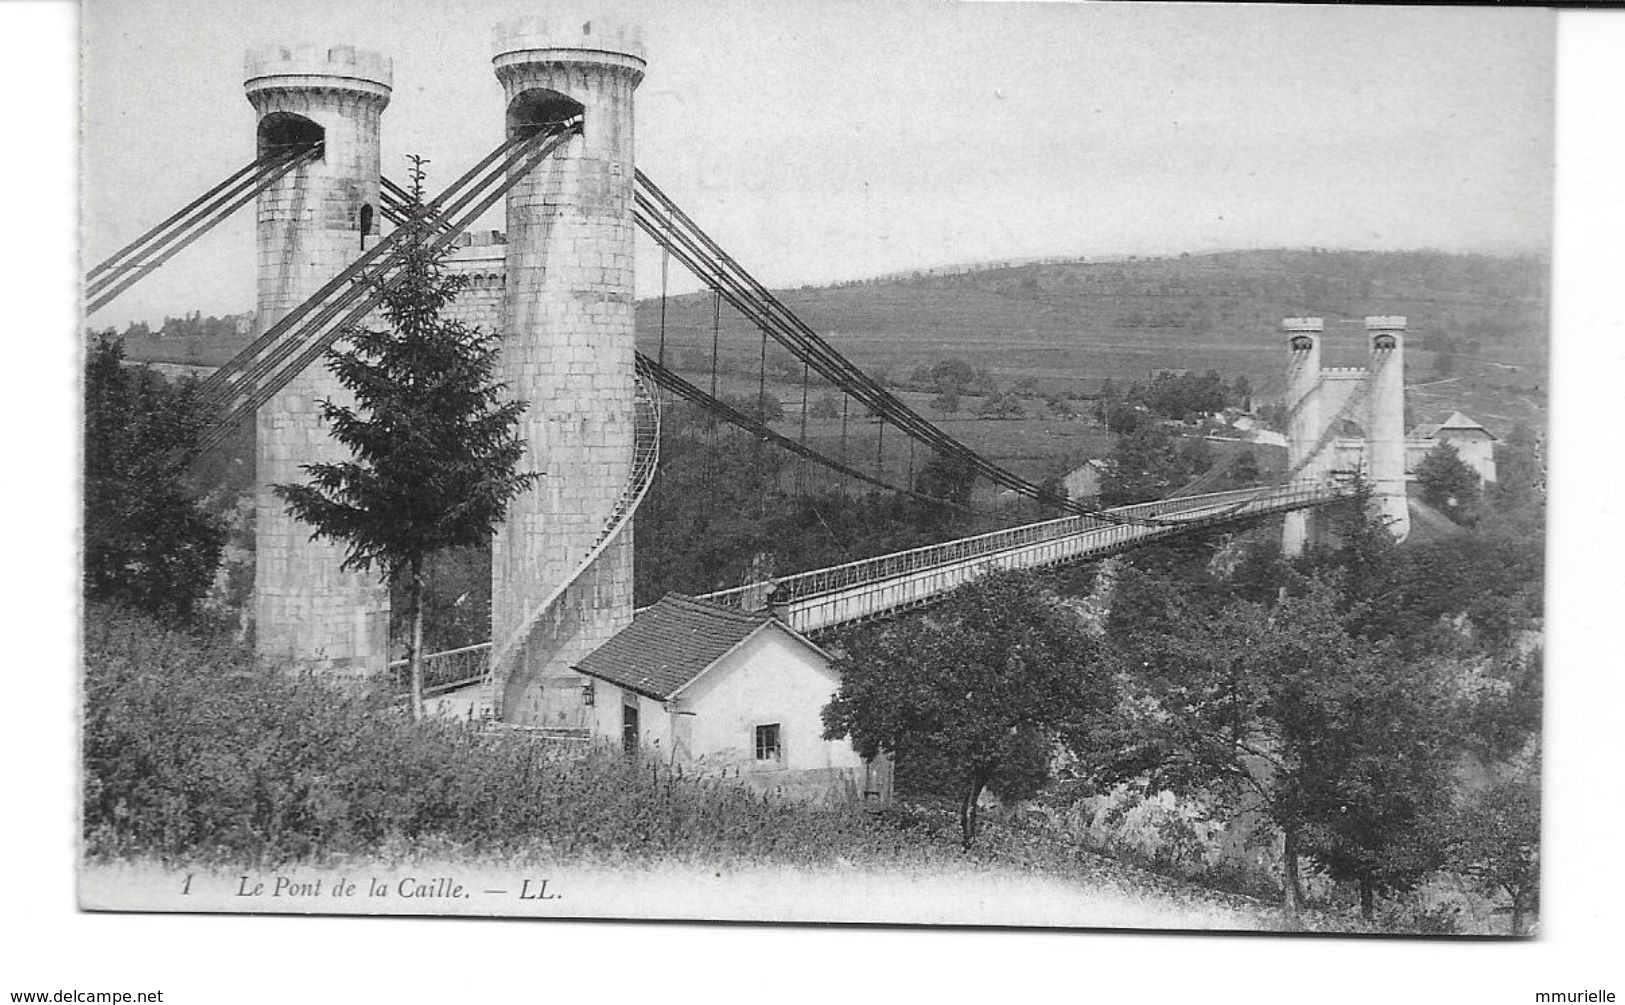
192	751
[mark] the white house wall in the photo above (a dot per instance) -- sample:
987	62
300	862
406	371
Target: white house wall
654	724
1476	454
770	679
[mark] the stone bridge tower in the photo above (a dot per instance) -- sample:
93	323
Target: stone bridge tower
1303	337
1345	421
1385	429
310	225
568	351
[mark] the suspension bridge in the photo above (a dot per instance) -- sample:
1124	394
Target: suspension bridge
574	199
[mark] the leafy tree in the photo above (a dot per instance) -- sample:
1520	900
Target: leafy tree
1375	772
951	374
1241	392
1365	562
149	542
1274	416
972	695
1275	707
1496	581
1119	416
766	407
434	445
1448	484
1192	457
947	401
1520	486
825	407
1186	395
1244	470
1494	837
1004	405
945	476
1142	465
1501	719
714	509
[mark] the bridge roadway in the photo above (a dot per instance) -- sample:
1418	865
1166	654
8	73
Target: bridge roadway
823	599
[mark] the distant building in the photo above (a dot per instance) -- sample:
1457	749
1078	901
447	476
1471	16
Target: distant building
1083	481
723	689
1474	444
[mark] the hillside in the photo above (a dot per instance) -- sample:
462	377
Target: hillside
1478	324
1477	321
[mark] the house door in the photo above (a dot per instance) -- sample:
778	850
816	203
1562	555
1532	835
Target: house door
629	728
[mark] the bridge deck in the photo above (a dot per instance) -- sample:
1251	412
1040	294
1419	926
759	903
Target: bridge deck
875	587
869	588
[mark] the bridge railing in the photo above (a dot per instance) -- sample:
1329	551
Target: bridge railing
445	671
448	670
1190	509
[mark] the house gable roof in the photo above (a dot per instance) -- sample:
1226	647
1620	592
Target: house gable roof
671	643
1458	421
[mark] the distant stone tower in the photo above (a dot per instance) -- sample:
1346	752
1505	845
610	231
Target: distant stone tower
1347	421
312	224
569	352
1385	426
1303	409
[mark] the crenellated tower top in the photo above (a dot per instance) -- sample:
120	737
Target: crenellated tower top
317	67
566	39
1385	330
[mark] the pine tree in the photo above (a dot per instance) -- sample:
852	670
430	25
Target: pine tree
433	443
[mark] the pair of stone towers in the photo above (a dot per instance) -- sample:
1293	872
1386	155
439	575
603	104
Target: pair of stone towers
1347	420
568	351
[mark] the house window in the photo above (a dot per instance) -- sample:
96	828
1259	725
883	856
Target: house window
629	728
768	748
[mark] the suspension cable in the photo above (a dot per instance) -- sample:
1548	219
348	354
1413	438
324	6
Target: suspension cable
235	368
111	261
532	150
106	288
683	389
727	276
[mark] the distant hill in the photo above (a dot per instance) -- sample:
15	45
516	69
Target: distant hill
191	340
1478	323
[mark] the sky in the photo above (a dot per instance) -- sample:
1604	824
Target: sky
825	141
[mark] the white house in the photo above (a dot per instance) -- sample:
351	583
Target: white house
1474	444
725	690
